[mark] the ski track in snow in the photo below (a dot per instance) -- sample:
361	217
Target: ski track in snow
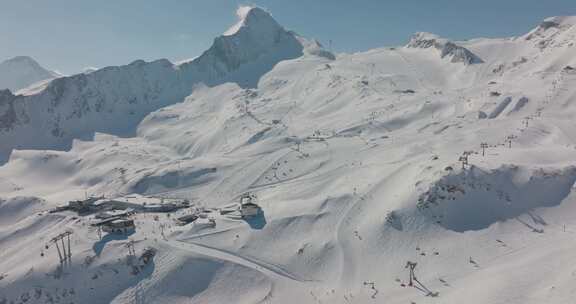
360	163
273	271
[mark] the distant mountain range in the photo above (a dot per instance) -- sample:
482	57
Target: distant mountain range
22	71
455	156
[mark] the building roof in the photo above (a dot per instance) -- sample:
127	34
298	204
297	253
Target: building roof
250	205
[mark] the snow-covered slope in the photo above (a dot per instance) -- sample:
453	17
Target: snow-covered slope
22	71
115	99
361	163
447	48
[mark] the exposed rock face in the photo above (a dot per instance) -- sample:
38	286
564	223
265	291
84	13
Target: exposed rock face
547	24
448	49
553	32
257	33
8	117
115	99
423	40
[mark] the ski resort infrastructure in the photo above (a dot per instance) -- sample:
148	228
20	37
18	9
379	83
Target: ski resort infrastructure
271	170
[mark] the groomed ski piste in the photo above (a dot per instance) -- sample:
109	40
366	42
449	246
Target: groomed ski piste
457	157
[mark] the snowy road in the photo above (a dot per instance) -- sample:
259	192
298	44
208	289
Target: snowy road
274	272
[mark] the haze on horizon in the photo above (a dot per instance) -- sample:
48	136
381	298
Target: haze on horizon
69	36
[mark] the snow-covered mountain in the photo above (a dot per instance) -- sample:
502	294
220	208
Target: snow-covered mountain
458	156
447	48
115	99
22	71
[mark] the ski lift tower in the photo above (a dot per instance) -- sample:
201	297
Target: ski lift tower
509	139
66	254
130	246
526	121
484	145
464	159
411	266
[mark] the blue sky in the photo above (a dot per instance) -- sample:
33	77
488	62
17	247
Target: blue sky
69	35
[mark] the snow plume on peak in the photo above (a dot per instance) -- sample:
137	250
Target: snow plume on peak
247	15
241	13
255	23
115	99
447	48
256	42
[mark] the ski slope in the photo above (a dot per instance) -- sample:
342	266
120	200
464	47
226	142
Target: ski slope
355	160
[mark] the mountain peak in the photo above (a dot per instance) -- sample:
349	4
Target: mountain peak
558	21
256	39
21	59
552	31
423	40
252	18
554	22
447	48
22	71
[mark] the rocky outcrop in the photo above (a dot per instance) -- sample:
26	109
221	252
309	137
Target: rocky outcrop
115	99
448	49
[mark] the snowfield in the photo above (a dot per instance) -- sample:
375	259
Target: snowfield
459	156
